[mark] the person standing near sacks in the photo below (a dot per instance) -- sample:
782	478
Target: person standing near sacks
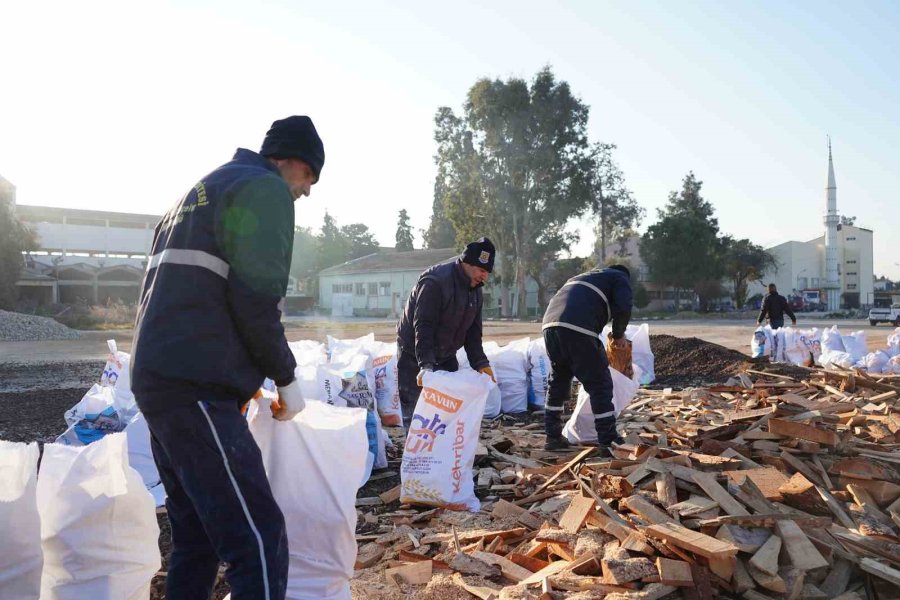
208	333
775	306
442	315
572	324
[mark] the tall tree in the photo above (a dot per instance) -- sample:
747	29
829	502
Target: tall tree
683	249
440	232
332	247
15	238
745	262
304	256
404	235
690	202
359	240
515	168
614	206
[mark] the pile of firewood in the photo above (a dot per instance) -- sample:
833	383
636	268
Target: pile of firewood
768	487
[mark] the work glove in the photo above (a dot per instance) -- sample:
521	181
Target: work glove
422	371
619	354
289	403
488	371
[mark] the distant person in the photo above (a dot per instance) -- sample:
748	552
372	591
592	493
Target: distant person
573	321
442	315
775	306
208	333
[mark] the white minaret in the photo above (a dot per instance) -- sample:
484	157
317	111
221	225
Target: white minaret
832	280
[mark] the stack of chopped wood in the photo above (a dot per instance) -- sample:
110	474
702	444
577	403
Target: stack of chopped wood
768	487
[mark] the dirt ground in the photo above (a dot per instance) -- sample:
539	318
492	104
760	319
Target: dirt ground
732	334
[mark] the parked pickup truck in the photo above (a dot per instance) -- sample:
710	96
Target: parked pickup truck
885	315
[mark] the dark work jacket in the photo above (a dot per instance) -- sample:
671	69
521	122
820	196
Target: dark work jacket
775	306
442	315
209	321
588	301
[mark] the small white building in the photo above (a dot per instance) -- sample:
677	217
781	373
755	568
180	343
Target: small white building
378	284
804	268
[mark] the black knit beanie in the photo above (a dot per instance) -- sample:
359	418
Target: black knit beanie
295	137
480	253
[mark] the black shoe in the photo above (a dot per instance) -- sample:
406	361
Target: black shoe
556	444
604	449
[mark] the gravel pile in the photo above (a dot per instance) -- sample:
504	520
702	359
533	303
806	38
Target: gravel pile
18	327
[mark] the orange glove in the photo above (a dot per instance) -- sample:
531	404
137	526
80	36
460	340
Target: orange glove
257	396
488	371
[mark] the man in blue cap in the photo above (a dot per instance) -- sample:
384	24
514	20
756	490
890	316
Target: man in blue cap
208	333
442	315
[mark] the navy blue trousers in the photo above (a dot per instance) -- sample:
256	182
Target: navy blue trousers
580	356
220	504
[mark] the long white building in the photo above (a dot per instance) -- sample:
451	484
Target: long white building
835	269
85	255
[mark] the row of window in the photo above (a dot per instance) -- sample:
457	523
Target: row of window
382	288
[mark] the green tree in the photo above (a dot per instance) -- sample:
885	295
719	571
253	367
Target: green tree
516	168
15	238
332	248
745	262
404	235
359	240
683	249
641	296
614	207
440	232
304	256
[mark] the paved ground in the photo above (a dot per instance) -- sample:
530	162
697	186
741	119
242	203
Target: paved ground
729	333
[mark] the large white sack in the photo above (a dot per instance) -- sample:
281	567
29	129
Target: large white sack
315	463
796	349
814	344
579	429
510	365
360	344
92	418
117	375
876	362
98	523
778	346
308	352
641	354
832	341
837	359
893	343
760	344
893	366
387	388
346	384
21	558
140	457
539	364
442	440
855	344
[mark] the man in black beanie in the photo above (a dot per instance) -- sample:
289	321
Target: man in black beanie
208	333
442	315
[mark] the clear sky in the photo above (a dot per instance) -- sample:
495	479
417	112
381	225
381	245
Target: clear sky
119	105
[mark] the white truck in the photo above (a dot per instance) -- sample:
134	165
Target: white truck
885	315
